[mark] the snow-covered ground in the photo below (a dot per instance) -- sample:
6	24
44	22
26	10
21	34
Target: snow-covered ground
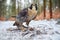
43	30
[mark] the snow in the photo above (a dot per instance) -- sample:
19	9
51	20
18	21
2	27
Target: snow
43	30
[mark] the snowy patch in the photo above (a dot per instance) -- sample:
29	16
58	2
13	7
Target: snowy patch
43	30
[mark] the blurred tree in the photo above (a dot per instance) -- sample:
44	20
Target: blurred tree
28	3
13	8
39	6
55	4
19	7
44	8
2	8
58	3
50	8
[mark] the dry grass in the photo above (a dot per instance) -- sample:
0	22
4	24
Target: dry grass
55	15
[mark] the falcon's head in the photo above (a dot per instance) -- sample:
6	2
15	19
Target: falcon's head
33	6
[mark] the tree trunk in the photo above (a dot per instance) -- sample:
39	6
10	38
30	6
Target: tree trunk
44	8
50	1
